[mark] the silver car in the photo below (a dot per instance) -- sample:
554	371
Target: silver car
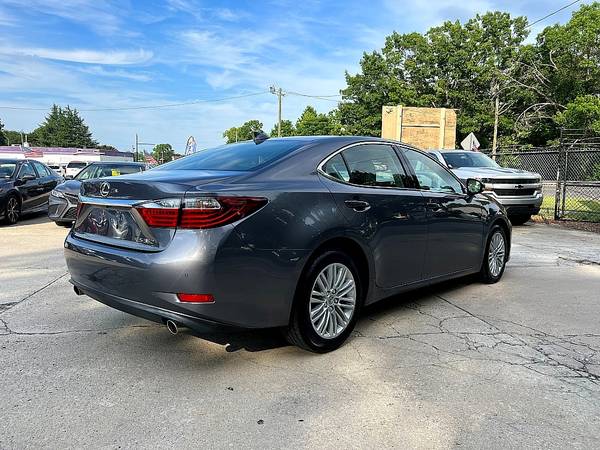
519	191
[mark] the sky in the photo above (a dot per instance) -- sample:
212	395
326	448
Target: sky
96	55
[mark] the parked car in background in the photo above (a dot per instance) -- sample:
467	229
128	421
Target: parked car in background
519	191
64	198
25	186
297	233
73	168
58	168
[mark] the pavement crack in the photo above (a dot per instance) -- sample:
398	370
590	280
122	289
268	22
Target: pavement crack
13	304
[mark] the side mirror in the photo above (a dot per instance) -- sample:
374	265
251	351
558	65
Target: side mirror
474	186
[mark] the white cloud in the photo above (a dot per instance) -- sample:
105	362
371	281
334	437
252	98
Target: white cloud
118	73
107	57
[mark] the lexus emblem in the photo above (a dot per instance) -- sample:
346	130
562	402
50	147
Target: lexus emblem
104	189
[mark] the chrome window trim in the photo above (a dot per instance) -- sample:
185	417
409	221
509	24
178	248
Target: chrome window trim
355	144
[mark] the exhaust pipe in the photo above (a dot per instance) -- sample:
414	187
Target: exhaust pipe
172	327
77	290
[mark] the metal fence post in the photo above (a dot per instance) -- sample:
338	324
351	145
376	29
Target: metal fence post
558	181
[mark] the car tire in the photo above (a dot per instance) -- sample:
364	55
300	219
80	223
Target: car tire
520	219
496	251
12	210
328	301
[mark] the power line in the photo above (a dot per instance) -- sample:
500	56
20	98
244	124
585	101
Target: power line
129	108
552	13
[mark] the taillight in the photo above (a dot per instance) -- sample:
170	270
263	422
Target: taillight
160	213
198	212
211	212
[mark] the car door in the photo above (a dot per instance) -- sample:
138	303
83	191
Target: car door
27	181
374	192
455	219
47	182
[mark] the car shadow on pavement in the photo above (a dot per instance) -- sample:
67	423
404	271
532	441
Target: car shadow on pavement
270	339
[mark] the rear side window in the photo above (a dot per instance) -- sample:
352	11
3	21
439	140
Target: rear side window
243	156
374	165
336	168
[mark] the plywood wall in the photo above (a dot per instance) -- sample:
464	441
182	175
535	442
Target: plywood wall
426	128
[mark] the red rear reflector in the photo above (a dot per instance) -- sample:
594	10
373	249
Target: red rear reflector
196	298
160	217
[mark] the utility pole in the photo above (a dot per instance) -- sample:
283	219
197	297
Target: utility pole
137	155
279	93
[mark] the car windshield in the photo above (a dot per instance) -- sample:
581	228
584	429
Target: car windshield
468	159
105	170
7	169
243	156
76	165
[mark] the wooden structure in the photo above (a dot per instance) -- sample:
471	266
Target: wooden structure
425	128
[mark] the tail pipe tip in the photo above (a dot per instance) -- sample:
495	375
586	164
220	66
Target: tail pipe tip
172	327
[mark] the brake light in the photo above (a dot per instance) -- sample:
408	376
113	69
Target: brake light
211	212
196	298
198	212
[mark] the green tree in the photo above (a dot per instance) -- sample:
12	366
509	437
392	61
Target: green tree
311	123
163	153
63	127
287	129
583	112
470	67
3	139
243	132
12	137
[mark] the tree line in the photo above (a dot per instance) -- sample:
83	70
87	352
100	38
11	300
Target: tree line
505	90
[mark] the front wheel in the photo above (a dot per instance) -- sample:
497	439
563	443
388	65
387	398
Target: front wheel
12	211
327	304
496	252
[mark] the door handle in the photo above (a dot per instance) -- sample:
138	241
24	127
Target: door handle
434	206
358	205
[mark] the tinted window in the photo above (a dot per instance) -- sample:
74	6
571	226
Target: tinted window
468	159
7	169
374	165
103	170
336	168
41	169
76	165
242	156
27	169
431	175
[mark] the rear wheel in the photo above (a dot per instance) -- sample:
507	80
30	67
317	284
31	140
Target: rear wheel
327	304
12	210
520	219
494	261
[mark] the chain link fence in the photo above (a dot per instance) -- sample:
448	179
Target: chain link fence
570	176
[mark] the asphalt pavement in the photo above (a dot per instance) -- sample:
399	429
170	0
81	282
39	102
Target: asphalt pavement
462	364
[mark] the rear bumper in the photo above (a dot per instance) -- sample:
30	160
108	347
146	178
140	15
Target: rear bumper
252	288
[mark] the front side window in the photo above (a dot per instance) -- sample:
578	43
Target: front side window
431	175
27	169
41	169
374	165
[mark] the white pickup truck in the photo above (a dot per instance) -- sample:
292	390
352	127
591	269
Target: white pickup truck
518	190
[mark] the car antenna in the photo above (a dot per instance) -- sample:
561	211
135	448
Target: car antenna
259	136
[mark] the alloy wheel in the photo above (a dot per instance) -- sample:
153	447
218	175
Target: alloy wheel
496	254
332	300
12	210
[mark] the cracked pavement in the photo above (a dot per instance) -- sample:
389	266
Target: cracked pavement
510	365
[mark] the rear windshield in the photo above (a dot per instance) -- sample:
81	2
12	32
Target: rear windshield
7	169
76	165
104	170
243	156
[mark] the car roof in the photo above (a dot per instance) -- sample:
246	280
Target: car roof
14	161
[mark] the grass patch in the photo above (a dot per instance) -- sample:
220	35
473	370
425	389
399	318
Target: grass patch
576	208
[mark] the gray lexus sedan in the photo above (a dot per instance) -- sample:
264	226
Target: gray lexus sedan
298	233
